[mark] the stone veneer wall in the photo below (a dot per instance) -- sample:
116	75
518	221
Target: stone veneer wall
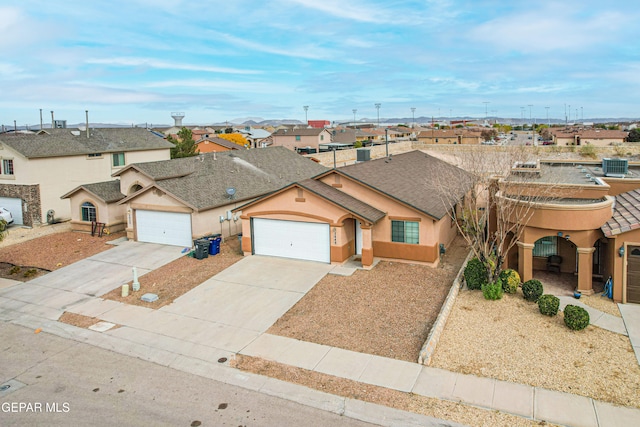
429	347
30	195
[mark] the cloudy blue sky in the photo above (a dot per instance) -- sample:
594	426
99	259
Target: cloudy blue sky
136	61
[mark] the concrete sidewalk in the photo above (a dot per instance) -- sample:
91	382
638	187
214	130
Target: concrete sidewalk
631	316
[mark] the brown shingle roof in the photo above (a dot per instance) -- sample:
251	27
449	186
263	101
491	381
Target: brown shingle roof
62	142
221	142
108	191
409	179
344	200
201	181
626	214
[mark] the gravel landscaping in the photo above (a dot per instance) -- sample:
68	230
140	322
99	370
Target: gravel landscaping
510	340
387	311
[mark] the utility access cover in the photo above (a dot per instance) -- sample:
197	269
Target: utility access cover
149	297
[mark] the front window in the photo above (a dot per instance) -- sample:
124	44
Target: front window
88	212
118	159
405	232
7	166
321	137
546	246
297	137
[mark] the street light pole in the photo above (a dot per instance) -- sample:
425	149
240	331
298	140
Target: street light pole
306	120
548	122
355	110
413	117
378	108
486	103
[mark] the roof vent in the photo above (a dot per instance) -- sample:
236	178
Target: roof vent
615	168
526	168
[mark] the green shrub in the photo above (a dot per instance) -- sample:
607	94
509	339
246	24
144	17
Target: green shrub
588	151
532	290
475	274
510	280
492	291
14	270
575	317
549	304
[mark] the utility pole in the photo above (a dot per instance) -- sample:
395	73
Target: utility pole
378	108
413	117
355	110
306	120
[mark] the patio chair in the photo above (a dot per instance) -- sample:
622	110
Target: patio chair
553	263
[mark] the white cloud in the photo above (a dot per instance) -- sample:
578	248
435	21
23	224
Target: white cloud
155	63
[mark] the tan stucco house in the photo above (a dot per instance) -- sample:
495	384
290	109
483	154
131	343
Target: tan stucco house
592	223
380	208
37	168
300	138
175	201
449	136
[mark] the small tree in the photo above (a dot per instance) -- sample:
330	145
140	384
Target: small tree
488	134
184	145
503	197
3	229
634	135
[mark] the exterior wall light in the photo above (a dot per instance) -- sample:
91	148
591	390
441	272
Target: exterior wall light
559	233
621	251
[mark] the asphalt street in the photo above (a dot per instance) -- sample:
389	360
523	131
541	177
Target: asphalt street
59	382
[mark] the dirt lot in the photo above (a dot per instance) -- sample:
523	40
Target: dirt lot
510	340
387	311
33	258
179	277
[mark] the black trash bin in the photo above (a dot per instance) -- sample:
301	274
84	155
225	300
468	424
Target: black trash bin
202	248
214	245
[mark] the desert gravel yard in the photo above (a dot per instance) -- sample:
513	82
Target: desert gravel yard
387	311
510	340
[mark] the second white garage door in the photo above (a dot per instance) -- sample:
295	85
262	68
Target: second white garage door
291	239
167	228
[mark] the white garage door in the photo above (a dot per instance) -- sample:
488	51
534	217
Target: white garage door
167	228
291	239
14	206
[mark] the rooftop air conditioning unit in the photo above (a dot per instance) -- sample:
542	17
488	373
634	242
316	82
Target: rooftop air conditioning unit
363	155
616	168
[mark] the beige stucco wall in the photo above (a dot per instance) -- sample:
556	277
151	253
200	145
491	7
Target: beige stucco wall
313	141
59	175
132	177
112	215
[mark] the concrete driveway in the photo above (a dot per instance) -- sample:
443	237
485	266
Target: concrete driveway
88	278
251	294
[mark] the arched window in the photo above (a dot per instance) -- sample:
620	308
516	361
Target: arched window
88	212
134	188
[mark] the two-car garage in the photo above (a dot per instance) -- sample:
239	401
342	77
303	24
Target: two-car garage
291	239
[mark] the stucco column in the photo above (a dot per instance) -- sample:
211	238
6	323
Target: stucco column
585	270
367	246
525	261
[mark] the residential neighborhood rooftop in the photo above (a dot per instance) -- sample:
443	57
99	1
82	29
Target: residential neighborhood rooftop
68	142
626	214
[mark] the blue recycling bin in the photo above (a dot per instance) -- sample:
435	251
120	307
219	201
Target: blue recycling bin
214	245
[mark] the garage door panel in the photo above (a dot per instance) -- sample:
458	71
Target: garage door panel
167	228
291	239
13	205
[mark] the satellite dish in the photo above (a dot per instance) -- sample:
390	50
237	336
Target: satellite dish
231	192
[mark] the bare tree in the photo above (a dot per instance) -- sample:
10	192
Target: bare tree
505	186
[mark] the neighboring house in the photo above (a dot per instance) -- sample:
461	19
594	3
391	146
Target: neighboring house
174	201
597	137
301	139
382	208
258	138
215	144
449	136
592	224
38	168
